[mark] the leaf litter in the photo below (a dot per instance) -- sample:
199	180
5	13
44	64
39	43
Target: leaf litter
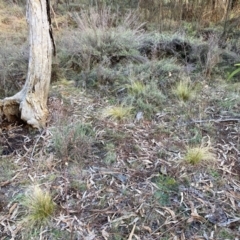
147	192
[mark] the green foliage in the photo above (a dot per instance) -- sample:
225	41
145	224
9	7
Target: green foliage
214	173
110	156
167	185
196	136
161	70
148	99
230	102
231	75
56	233
226	234
115	136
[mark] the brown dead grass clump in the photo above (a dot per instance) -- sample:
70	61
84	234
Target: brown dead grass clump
12	19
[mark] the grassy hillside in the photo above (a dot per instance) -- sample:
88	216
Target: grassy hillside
143	137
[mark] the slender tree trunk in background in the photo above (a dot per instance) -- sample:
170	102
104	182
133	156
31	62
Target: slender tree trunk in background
30	104
226	17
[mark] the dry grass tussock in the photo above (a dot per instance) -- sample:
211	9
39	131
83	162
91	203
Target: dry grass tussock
184	90
101	39
200	154
12	19
117	112
105	19
40	206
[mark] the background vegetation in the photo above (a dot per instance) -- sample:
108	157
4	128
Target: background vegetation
143	136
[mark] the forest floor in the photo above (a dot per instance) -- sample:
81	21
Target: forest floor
143	137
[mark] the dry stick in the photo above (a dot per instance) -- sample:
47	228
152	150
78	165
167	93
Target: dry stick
155	231
132	232
3	184
8	143
211	120
36	144
219	120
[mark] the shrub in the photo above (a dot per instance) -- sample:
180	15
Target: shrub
145	98
101	38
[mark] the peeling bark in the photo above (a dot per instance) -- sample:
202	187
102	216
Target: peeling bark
30	104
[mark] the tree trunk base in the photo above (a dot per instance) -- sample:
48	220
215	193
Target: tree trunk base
30	104
25	107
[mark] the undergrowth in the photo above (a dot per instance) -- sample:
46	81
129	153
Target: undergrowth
72	141
122	157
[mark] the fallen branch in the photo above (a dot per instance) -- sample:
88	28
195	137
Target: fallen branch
236	120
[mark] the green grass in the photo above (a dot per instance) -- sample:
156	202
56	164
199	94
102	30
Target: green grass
184	90
7	168
148	98
167	185
235	72
231	101
197	155
226	234
40	206
110	156
72	141
118	113
136	88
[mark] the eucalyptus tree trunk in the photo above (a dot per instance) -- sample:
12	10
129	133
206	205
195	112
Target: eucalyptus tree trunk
30	104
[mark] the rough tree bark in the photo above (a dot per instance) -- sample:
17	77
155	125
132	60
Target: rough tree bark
30	104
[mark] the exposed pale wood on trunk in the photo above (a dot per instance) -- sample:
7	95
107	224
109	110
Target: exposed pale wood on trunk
30	104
